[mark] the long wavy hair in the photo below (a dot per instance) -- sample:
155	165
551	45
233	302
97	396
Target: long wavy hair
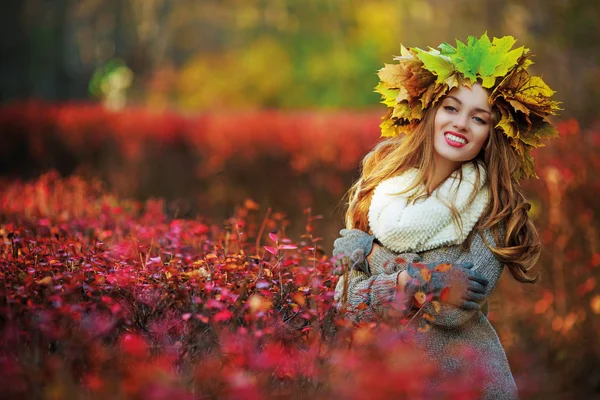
517	241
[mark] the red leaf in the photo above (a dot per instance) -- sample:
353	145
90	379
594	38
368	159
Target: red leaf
287	247
134	345
222	316
273	237
271	250
445	294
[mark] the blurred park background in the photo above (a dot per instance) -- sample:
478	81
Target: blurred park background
209	103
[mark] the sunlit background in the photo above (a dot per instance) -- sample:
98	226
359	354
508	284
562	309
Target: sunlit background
194	56
267	106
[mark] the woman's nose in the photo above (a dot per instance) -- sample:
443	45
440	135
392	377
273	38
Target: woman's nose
460	122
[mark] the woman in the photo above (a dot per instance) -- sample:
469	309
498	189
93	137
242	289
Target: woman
440	209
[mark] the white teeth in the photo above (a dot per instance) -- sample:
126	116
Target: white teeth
456	138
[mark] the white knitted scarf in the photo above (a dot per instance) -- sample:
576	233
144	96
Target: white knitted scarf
427	223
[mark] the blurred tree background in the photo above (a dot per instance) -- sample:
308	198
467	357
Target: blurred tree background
192	55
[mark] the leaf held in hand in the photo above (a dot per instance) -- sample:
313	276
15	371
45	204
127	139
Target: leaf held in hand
428	317
445	294
443	267
420	297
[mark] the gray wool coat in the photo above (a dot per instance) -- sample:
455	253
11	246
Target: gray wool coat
453	329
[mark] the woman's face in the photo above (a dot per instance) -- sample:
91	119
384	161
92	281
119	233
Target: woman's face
461	126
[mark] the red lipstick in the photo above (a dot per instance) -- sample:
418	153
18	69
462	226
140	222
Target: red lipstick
454	143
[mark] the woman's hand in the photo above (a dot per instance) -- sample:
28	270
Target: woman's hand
353	247
466	288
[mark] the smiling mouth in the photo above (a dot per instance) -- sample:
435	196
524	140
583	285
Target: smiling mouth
455	140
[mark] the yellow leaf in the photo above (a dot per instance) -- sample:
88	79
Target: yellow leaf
44	281
388	128
258	303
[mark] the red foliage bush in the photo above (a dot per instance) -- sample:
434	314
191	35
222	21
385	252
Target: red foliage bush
107	298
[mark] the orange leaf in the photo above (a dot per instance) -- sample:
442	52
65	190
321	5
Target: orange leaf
251	204
44	281
426	274
299	298
420	297
443	267
428	317
258	304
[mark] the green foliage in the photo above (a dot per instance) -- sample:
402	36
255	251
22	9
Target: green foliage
484	58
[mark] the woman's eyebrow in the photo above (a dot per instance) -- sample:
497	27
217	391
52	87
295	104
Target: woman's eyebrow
460	102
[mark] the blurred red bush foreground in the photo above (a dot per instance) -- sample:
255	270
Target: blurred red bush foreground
105	297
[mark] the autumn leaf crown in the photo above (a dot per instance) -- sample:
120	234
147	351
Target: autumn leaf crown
421	78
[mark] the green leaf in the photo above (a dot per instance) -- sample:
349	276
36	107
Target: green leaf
484	58
388	96
437	63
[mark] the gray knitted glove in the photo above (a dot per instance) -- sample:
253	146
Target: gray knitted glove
466	287
352	247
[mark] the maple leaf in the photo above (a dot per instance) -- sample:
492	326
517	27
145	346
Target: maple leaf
531	91
402	111
507	123
484	58
441	65
540	131
409	76
388	96
388	126
527	167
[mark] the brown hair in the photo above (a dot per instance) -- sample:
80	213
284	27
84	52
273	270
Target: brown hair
518	244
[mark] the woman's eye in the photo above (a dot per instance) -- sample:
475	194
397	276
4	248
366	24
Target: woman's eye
480	120
449	108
